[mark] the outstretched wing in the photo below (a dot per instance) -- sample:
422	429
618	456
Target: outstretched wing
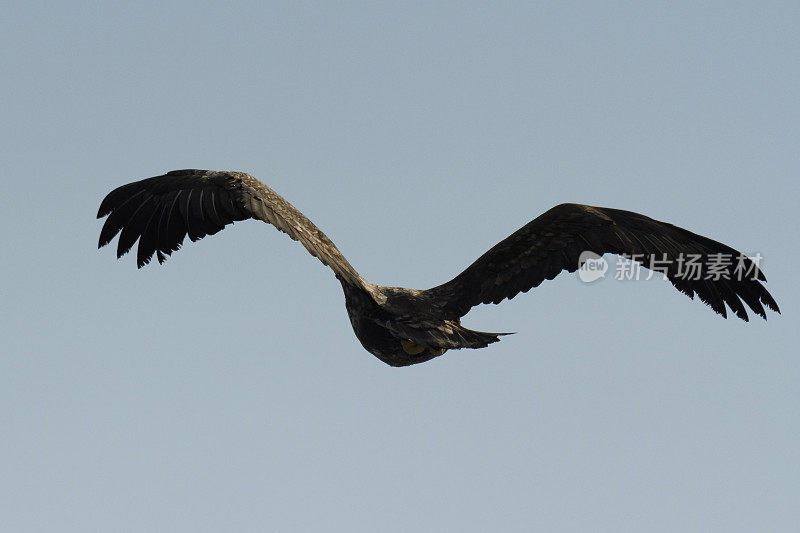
554	241
161	211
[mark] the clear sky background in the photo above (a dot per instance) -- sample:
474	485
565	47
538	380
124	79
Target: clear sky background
225	390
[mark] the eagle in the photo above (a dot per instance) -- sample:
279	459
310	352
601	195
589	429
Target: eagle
402	326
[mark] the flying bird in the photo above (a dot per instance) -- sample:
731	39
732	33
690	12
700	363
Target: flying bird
405	326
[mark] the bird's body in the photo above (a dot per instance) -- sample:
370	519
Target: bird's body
403	327
406	326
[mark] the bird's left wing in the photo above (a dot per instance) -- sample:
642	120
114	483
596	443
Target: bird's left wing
554	241
161	211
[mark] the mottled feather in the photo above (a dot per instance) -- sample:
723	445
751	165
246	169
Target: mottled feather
161	211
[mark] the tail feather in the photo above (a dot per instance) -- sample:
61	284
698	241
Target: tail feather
478	339
448	334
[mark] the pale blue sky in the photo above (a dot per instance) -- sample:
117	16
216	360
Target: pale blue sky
225	390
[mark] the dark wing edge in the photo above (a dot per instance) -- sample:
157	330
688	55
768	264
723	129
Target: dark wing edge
553	242
161	211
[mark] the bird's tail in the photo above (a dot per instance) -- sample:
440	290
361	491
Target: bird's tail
448	334
478	339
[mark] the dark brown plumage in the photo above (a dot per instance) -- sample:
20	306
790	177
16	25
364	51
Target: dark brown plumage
405	326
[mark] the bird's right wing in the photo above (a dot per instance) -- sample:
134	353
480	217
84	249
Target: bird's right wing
554	241
161	211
